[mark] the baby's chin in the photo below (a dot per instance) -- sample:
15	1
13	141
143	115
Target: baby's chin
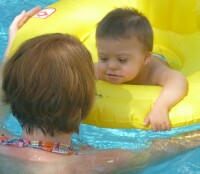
114	79
116	82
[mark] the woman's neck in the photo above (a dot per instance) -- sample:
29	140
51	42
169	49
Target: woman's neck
37	134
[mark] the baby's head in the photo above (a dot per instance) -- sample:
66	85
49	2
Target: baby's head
49	83
124	40
125	23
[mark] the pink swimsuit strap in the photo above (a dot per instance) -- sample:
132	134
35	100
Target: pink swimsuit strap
43	145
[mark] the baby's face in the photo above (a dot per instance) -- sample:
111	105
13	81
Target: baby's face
119	61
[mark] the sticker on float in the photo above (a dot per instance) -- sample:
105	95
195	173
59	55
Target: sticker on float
45	13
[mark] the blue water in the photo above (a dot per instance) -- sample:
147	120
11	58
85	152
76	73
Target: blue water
187	163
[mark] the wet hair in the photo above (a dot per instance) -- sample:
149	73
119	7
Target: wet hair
126	23
49	83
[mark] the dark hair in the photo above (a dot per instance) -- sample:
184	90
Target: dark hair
49	83
125	23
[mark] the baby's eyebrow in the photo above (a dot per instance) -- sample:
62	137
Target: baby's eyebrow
123	54
103	55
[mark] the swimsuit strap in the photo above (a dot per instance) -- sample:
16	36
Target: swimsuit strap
52	147
160	57
43	145
17	142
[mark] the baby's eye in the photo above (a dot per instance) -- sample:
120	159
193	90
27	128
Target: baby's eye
122	60
103	59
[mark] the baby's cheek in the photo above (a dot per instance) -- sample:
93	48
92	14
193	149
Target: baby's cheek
129	70
102	67
130	74
101	71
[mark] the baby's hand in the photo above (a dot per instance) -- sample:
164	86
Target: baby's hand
159	119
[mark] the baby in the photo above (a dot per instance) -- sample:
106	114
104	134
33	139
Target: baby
124	40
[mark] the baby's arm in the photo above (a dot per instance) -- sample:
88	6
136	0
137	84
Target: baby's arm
174	89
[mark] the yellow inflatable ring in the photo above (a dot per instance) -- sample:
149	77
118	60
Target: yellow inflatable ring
177	37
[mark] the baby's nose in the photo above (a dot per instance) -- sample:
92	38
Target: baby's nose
112	65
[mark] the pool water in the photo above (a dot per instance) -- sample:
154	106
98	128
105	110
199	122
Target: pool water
101	138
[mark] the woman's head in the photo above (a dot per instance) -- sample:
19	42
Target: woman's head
49	83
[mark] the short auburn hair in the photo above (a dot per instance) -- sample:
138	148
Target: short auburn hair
49	83
126	23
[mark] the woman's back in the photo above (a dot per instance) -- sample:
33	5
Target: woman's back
27	160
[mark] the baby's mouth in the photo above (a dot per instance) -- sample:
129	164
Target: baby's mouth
113	75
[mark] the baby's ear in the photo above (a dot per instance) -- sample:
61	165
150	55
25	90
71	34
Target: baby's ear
147	57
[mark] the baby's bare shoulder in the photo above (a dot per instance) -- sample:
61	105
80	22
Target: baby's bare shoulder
157	71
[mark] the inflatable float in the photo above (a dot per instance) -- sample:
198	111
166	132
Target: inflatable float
176	25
